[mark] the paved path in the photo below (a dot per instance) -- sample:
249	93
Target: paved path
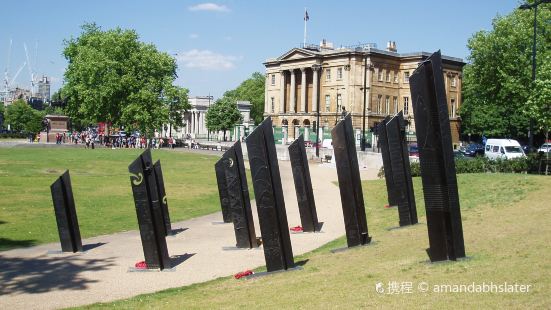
33	279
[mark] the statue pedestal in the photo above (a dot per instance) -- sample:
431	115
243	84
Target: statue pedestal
56	124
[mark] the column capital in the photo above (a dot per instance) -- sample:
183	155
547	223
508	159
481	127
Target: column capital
303	70
316	67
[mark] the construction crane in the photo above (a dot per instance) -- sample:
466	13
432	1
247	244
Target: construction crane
29	67
7	70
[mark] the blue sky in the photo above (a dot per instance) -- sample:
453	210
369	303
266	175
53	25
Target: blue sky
221	43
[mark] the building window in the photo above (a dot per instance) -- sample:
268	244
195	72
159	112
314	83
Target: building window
273	79
387	78
339	73
339	102
452	109
453	81
380	74
272	104
379	103
328	74
327	103
406	77
395	103
395	76
387	105
406	105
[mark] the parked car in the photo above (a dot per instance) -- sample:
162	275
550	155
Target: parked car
474	150
503	148
459	155
545	148
413	150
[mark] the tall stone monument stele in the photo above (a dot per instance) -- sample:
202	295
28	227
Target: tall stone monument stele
433	132
65	214
350	184
303	186
269	198
232	169
149	212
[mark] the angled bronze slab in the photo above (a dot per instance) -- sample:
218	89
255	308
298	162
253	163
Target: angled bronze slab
303	186
387	166
437	162
269	198
401	170
219	169
350	185
149	212
65	214
238	196
159	181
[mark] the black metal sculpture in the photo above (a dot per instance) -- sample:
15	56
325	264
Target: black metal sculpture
149	212
65	214
159	181
350	184
269	198
303	186
238	196
220	168
401	170
387	166
437	162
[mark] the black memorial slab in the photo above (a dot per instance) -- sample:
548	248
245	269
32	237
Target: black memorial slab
437	162
387	166
219	169
238	196
269	198
303	186
401	170
159	181
350	185
65	214
149	212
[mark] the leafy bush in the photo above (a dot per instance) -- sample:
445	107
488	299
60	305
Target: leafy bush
14	135
482	164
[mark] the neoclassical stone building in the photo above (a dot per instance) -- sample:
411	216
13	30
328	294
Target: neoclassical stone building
297	79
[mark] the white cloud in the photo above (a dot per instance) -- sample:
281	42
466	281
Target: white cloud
193	36
209	6
206	60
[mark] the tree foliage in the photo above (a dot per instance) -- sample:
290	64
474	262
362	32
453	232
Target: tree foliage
223	115
113	77
498	94
22	117
252	90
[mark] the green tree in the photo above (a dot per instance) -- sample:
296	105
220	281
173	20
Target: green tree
2	110
253	90
497	84
223	115
113	77
22	117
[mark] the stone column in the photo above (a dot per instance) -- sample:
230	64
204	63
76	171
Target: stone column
293	99
282	92
192	122
315	89
267	100
303	91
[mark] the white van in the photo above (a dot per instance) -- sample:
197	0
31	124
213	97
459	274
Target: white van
503	148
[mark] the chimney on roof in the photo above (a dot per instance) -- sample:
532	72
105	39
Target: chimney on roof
391	46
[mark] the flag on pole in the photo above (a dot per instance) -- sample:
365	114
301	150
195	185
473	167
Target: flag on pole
306	17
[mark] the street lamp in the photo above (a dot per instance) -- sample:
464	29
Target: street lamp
534	6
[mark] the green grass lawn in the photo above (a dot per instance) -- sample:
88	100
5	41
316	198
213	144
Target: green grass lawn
506	227
101	188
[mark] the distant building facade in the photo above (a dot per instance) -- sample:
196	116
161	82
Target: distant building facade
44	89
195	120
296	80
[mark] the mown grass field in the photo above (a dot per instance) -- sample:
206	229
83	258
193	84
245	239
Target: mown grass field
101	188
506	227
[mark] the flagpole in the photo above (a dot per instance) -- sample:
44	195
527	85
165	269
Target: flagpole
305	21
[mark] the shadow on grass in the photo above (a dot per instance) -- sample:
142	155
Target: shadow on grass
8	244
39	275
301	262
